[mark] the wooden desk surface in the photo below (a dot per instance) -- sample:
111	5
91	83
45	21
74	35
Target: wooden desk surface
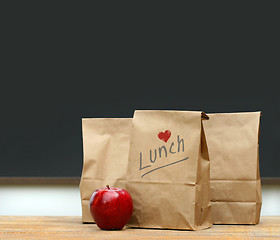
20	227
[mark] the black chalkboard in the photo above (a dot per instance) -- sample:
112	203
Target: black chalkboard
41	129
59	67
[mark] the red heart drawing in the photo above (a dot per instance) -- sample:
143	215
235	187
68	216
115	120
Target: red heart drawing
164	136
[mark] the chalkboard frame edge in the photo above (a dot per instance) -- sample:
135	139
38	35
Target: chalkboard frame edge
40	180
76	180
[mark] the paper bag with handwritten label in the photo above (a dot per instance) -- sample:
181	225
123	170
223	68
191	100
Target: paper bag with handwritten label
233	144
168	171
105	149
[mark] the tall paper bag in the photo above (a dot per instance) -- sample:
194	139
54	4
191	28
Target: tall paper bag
233	144
168	171
105	149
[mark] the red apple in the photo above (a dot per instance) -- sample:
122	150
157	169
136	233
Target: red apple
111	207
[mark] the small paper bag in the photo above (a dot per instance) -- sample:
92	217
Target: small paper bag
233	144
105	149
168	171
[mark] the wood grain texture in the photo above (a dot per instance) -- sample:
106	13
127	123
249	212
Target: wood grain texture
22	227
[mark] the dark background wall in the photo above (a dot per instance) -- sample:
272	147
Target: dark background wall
62	63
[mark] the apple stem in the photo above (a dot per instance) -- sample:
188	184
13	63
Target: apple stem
108	186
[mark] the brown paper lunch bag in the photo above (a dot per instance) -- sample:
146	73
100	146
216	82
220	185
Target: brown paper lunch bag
233	145
168	171
105	156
